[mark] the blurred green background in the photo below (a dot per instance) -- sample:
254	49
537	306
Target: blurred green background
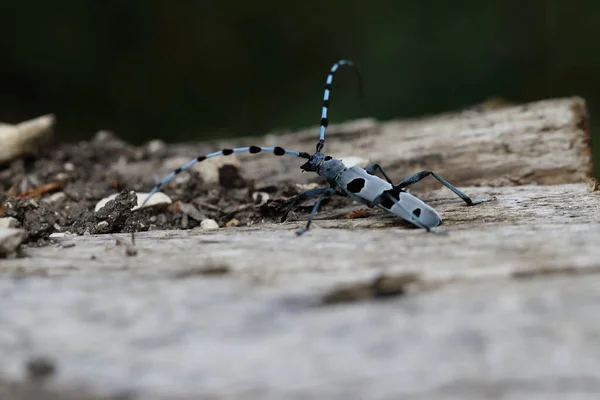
189	70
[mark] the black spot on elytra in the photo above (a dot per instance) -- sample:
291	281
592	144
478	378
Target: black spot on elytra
417	212
227	152
201	158
389	198
327	158
178	170
325	103
279	151
355	185
254	149
324	122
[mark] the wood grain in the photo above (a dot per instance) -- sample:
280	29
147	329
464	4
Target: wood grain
504	305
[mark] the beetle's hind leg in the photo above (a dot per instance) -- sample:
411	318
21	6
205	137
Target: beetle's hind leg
423	174
371	169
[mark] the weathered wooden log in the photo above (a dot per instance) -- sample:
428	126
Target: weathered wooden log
547	142
497	306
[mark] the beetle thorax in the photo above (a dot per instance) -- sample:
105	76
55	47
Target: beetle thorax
326	166
331	169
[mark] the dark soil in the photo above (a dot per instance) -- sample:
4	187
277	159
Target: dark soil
57	190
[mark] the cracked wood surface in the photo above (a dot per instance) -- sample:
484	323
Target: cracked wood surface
527	227
502	306
547	142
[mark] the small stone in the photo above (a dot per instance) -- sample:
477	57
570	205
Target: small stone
260	198
9	222
55	198
10	239
69	167
232	222
208	225
101	225
156	147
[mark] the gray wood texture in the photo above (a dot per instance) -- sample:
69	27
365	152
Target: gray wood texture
502	306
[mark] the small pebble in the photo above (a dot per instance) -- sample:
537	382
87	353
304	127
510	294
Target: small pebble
156	146
9	222
209	224
55	198
232	222
260	198
101	224
10	239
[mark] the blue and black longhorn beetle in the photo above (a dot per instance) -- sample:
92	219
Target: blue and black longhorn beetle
354	182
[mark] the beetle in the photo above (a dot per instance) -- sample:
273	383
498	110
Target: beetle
359	184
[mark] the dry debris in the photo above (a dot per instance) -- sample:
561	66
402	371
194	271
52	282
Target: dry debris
70	188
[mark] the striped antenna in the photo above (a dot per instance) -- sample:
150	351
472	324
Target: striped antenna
328	82
278	151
